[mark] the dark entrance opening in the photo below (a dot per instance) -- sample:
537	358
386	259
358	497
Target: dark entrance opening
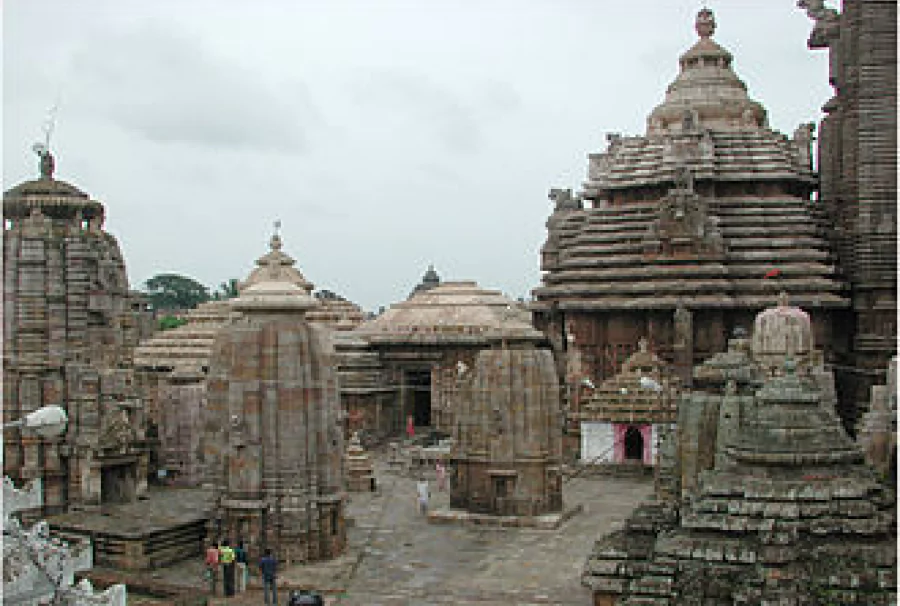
634	444
419	383
118	483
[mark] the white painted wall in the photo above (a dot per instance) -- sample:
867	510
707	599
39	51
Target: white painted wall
597	442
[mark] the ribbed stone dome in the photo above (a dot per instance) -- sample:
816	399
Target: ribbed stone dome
509	430
706	91
781	333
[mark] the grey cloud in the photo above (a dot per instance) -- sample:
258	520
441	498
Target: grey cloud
437	109
166	87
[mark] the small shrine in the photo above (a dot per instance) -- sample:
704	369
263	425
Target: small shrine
358	467
623	417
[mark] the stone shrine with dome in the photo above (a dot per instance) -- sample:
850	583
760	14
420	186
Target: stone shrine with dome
272	443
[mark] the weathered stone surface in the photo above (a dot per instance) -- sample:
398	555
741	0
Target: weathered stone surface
272	444
424	343
858	167
760	521
506	459
686	232
70	326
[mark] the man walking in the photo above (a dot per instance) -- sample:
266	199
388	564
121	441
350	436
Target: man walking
268	568
226	556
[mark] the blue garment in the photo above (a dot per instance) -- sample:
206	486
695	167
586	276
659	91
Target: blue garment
268	566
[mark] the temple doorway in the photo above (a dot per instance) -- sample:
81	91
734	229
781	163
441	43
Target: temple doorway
634	444
419	384
118	483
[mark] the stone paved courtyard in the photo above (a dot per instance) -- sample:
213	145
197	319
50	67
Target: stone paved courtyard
396	557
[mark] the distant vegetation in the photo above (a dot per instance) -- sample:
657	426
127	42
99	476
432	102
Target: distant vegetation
174	292
226	290
169	322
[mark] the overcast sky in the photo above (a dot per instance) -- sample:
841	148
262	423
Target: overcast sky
385	135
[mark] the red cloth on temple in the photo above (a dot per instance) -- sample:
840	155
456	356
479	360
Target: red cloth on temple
772	273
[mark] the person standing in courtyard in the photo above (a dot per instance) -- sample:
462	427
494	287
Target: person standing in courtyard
212	566
422	494
226	557
240	558
410	427
441	472
268	569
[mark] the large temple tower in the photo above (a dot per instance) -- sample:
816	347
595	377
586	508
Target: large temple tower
70	325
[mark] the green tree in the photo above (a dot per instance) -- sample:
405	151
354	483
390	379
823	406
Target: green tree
169	322
171	291
226	290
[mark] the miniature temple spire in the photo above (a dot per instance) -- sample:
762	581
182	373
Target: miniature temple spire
705	23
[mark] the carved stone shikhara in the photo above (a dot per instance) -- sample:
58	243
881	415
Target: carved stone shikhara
272	444
70	326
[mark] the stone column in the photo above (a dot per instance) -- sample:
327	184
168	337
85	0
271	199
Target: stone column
683	346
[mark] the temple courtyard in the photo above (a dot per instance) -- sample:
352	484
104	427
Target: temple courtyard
395	556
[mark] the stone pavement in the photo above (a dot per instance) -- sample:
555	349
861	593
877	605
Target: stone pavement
396	557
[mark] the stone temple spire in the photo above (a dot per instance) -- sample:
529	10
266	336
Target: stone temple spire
275	284
707	92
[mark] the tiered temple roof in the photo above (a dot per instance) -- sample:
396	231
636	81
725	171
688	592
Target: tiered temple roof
187	346
336	311
709	209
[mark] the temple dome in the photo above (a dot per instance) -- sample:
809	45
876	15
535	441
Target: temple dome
781	333
54	198
452	311
275	284
706	91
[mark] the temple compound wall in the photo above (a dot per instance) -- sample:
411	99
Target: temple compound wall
70	325
682	235
272	443
858	175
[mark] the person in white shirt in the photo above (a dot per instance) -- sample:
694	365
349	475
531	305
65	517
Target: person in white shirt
423	493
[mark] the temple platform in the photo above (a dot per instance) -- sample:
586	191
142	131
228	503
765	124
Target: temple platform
164	526
550	521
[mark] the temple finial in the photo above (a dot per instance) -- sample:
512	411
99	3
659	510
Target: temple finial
275	242
48	164
706	23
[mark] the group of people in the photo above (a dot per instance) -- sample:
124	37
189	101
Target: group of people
232	561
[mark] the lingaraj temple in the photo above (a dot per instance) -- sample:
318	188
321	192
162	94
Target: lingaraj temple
717	309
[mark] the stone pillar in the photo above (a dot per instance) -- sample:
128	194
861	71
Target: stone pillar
683	346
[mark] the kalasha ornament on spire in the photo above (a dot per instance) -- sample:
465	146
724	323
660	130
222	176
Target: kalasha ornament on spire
706	23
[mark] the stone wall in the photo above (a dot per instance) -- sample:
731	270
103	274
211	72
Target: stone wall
858	168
